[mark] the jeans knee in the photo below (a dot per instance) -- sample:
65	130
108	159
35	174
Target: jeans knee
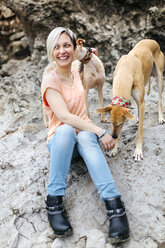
66	131
85	137
64	139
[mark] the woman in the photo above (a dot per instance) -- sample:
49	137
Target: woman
72	134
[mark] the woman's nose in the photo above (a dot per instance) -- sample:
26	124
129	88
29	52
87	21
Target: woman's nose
62	50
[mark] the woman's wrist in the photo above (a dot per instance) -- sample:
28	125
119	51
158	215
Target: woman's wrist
98	131
103	133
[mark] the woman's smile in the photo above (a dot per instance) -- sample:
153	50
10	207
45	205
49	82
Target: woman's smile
63	57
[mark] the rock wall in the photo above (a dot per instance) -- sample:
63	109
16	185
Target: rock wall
114	27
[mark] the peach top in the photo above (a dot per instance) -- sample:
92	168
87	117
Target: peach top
74	97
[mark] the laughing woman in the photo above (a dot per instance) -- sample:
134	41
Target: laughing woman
72	134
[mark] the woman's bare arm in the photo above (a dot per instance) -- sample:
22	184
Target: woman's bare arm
60	109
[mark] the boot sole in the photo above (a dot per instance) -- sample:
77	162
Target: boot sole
118	239
64	235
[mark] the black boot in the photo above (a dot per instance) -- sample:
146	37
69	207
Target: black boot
118	227
57	216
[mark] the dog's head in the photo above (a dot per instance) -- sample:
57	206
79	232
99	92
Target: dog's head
81	50
118	115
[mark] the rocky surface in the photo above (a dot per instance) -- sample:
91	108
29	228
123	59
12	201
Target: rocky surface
24	165
14	43
24	159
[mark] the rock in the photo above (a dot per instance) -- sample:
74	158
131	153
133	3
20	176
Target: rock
13	66
6	12
108	245
42	241
58	243
95	239
81	243
17	36
154	10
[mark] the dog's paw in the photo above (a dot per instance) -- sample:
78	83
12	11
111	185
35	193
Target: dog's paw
161	120
138	155
112	153
105	120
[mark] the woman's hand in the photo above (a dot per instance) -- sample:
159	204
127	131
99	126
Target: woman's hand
107	141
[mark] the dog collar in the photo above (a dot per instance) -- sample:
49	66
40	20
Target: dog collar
121	101
87	57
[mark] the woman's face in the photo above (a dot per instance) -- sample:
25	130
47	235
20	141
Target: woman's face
63	52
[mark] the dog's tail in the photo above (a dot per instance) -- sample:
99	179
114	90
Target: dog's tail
155	73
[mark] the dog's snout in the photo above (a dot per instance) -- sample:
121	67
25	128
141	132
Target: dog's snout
114	136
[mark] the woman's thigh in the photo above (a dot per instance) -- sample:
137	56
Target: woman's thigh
63	139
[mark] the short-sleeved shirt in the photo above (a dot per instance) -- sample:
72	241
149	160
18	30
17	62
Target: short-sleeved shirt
74	97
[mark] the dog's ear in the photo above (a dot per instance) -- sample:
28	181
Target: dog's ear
103	110
80	42
127	114
95	51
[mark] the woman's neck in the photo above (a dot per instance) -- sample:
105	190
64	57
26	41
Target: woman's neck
64	72
65	75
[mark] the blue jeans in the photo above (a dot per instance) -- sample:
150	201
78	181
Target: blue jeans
65	145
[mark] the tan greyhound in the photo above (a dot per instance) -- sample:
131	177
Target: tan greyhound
91	71
132	73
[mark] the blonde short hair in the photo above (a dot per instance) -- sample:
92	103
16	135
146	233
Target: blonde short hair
53	37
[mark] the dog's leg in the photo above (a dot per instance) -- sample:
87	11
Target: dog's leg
159	66
115	149
86	102
138	95
85	86
138	155
160	90
101	102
